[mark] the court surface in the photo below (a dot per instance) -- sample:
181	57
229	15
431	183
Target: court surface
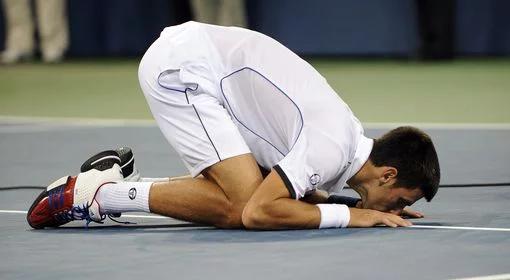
466	232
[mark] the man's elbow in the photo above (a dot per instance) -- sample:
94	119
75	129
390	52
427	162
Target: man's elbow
255	217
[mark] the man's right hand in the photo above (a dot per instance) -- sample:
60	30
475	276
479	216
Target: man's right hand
370	218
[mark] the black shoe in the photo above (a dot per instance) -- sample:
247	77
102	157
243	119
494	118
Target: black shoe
127	162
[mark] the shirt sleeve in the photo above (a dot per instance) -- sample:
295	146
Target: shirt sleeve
308	166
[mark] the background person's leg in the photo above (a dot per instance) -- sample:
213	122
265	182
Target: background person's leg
19	31
53	28
205	10
232	13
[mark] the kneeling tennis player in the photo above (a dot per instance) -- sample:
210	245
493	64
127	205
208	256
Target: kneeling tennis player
267	142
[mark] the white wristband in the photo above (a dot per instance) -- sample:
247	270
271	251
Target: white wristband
334	215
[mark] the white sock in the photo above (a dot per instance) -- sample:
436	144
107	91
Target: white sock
124	197
148	179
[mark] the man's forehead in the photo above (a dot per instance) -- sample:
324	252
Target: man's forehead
412	194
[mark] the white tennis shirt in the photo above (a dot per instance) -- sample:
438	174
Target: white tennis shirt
289	116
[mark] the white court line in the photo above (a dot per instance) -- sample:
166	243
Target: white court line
127	216
414	226
145	216
13	211
439	126
462	228
77	121
488	277
150	123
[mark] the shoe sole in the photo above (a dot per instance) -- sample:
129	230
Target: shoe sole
40	197
101	161
126	160
124	156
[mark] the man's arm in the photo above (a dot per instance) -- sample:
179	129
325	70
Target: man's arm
271	207
320	196
316	197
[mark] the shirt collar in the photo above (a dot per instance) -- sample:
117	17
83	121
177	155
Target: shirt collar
363	151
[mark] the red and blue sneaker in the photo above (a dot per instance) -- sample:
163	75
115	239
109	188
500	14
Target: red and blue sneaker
73	197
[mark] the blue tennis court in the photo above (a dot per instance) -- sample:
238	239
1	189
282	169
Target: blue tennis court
466	231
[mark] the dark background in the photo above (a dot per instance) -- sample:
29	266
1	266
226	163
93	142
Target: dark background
324	27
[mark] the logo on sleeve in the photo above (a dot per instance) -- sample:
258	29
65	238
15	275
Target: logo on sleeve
315	179
132	193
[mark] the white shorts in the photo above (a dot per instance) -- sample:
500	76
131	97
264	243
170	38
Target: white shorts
184	97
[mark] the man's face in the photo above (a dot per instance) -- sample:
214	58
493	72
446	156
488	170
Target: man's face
391	198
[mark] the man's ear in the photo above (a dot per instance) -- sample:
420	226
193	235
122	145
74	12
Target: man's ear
388	176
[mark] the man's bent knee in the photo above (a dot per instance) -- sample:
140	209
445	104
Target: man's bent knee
253	217
238	177
231	218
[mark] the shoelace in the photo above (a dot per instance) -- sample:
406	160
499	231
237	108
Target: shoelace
76	213
120	222
56	200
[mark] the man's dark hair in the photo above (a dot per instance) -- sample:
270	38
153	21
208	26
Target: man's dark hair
412	153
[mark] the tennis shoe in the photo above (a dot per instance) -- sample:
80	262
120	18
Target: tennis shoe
127	163
74	197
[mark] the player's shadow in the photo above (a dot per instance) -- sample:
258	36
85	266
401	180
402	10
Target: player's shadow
192	233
